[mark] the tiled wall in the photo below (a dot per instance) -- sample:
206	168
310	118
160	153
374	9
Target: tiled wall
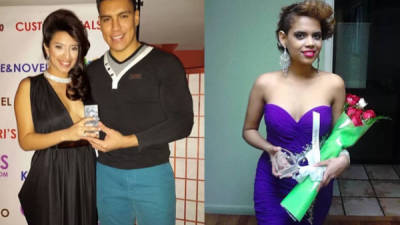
187	160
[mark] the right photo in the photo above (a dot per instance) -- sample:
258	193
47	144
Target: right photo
302	107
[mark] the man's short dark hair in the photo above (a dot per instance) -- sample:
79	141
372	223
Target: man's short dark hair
99	1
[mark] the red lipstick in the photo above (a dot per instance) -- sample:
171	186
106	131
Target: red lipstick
309	54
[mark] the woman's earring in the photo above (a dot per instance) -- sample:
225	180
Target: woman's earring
318	63
285	61
47	61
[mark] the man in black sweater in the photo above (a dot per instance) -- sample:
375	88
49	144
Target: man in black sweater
144	103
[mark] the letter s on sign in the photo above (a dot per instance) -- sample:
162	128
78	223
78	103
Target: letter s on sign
1	27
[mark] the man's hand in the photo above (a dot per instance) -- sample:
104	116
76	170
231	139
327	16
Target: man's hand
114	140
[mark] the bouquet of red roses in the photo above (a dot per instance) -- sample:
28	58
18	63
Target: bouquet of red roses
354	108
348	129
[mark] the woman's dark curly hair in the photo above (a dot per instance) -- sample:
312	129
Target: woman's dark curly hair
65	20
316	9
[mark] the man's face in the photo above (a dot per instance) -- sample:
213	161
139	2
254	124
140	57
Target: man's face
118	22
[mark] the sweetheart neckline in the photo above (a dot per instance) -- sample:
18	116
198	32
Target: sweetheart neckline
303	115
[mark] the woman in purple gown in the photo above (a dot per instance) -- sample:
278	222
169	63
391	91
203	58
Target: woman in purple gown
287	99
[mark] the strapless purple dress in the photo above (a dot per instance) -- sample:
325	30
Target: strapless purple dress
284	131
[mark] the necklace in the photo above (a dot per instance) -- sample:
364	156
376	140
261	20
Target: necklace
57	79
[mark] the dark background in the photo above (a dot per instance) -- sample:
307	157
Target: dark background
381	143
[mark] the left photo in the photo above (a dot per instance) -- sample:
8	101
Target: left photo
102	107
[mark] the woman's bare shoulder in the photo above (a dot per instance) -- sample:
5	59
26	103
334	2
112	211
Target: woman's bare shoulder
332	80
268	79
24	83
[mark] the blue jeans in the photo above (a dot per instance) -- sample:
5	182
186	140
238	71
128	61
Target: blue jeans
145	194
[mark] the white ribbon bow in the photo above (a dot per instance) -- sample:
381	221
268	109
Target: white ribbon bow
316	173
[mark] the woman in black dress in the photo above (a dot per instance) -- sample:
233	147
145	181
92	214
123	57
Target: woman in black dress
49	108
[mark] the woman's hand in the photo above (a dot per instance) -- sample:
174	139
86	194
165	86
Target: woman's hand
272	150
334	167
81	129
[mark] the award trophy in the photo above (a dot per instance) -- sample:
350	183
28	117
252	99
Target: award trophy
92	111
286	163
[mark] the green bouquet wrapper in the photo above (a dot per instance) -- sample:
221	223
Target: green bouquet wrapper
344	135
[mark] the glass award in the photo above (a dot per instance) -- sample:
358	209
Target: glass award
92	111
286	163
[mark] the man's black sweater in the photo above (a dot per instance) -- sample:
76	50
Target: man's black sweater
151	100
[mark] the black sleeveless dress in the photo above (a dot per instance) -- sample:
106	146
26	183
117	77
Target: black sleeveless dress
60	187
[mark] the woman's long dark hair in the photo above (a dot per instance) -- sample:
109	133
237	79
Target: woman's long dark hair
65	20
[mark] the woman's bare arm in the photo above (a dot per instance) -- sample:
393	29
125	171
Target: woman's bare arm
27	137
255	109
